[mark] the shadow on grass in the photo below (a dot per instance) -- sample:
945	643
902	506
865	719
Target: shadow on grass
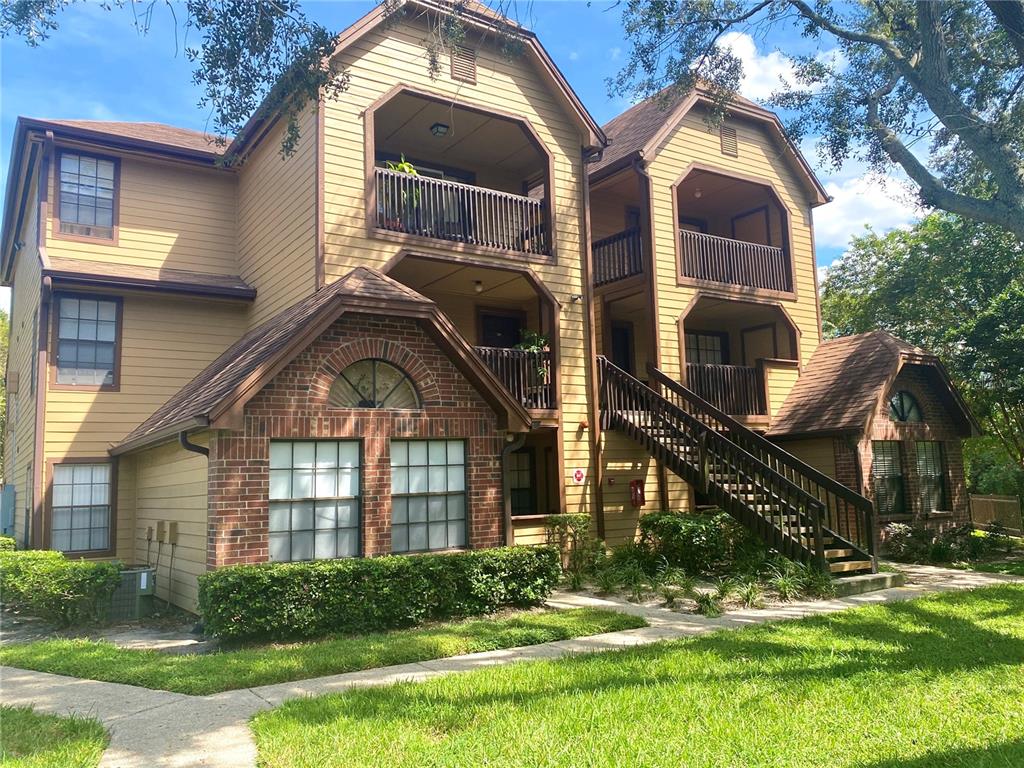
940	636
1003	755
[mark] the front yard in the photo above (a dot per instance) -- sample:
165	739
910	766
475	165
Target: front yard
33	740
931	682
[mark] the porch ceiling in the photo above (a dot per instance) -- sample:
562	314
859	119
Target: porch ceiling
718	195
428	276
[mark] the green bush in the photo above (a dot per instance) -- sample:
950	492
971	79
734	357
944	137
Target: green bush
6	544
291	600
917	544
48	585
701	543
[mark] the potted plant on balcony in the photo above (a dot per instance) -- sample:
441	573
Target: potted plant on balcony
401	207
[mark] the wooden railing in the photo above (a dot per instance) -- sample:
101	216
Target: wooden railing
736	389
847	514
449	210
735	262
618	256
526	374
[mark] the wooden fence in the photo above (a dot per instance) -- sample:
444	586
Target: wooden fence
1005	510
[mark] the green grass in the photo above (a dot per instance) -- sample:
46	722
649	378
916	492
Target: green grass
278	663
931	683
1014	567
32	740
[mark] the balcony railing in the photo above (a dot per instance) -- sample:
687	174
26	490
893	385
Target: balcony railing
462	213
526	374
618	256
723	260
738	390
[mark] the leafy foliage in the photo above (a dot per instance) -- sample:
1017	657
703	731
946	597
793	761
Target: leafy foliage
278	600
949	73
962	543
47	584
7	544
700	543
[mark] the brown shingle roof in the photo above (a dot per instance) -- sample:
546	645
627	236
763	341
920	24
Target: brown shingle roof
155	133
839	389
128	275
629	132
241	367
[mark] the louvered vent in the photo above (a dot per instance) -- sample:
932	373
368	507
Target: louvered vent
728	137
464	64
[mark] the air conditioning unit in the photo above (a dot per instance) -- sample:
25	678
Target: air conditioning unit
133	598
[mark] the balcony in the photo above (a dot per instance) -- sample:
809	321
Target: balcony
526	374
734	262
618	256
461	213
738	390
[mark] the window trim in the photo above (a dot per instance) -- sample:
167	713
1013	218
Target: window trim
375	360
465	492
942	475
52	360
906	506
116	205
534	488
47	533
914	403
360	505
723	338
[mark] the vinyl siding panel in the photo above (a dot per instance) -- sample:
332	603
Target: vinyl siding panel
819	453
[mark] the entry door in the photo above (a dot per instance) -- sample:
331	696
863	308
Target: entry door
500	329
622	346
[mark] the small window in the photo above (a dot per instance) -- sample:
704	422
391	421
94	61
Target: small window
87	195
464	64
523	482
81	508
373	383
887	475
87	341
314	500
428	495
931	476
903	407
727	136
707	348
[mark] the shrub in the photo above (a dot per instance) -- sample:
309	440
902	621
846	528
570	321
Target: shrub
6	543
48	585
708	604
701	543
579	551
919	544
289	600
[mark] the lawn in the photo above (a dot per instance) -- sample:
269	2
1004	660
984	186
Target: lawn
32	740
932	682
1014	567
278	663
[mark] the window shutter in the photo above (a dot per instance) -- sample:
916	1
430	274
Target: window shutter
464	64
728	137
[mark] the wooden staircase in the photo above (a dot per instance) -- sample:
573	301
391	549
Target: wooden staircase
800	512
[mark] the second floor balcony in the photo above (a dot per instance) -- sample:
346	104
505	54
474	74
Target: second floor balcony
734	262
525	373
618	256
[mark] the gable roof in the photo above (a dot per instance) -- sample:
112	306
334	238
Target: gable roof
216	397
639	132
67	271
840	388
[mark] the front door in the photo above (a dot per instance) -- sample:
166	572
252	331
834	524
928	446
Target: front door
622	346
500	329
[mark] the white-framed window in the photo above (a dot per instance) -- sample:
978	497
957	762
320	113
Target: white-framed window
80	520
88	188
314	499
86	341
428	495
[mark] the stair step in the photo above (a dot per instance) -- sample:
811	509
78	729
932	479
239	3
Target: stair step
846	566
838	552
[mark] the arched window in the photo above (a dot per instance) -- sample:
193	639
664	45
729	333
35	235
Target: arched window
373	383
903	407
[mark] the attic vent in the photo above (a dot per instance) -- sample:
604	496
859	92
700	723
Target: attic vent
464	64
728	137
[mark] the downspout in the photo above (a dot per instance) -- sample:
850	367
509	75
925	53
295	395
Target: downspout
38	505
190	446
516	442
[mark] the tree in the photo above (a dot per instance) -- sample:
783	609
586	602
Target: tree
954	287
947	72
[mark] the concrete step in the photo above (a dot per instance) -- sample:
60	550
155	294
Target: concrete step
860	583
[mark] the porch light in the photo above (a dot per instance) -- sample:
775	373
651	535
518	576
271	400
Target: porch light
698	193
478	286
439	129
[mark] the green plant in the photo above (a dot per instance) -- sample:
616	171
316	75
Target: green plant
579	551
282	600
786	581
7	544
47	584
708	604
634	554
751	594
531	341
607	579
815	582
725	588
636	580
999	538
671	594
705	544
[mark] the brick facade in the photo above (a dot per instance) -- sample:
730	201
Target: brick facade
937	425
294	406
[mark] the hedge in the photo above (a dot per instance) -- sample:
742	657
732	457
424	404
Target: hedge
47	584
7	543
293	600
702	543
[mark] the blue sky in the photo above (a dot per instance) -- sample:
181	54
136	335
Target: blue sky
96	66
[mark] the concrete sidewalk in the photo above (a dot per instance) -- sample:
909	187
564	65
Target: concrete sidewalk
158	729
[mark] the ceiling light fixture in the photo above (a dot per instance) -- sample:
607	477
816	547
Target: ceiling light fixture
478	286
698	193
439	129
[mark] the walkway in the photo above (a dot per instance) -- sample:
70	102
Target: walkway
158	729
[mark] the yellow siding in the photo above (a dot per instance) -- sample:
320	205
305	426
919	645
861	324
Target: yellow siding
171	216
165	343
277	221
819	453
759	156
386	57
166	483
781	380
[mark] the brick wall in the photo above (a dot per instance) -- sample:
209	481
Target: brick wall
937	425
294	406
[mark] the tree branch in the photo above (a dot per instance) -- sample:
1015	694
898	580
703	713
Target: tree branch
1010	14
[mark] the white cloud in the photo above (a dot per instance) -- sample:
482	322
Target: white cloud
615	53
574	55
763	74
883	202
